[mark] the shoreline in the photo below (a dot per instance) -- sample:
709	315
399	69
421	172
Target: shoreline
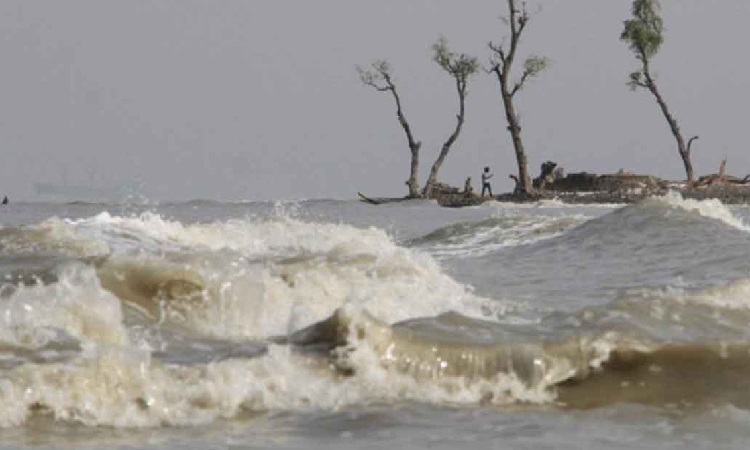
590	189
626	193
727	193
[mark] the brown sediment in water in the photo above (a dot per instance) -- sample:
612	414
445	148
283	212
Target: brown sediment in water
152	288
675	375
583	372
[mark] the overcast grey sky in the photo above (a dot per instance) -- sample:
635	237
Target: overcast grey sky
259	99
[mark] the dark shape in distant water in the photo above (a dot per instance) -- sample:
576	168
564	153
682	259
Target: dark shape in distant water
5	200
380	200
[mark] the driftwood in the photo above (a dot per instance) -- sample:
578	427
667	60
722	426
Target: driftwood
381	200
444	194
721	177
367	199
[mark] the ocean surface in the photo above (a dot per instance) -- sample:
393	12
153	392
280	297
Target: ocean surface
329	324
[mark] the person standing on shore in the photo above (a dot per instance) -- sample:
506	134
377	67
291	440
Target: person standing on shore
486	186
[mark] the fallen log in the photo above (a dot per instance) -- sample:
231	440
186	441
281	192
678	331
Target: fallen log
381	200
367	199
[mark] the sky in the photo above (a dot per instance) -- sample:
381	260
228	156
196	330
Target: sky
260	99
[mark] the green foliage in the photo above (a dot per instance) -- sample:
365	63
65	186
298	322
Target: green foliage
636	80
460	66
382	66
644	32
534	65
379	72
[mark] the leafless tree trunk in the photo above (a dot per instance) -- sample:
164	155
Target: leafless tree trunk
460	67
644	34
414	147
432	179
683	149
379	77
502	67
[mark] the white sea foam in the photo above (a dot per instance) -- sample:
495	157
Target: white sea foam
491	235
277	298
122	386
711	208
730	295
51	236
261	278
278	236
554	203
283	274
126	388
76	304
115	381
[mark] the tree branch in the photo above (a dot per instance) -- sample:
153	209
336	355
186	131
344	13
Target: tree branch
520	83
379	88
498	49
498	61
377	77
516	30
690	143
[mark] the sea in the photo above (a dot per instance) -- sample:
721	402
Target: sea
336	324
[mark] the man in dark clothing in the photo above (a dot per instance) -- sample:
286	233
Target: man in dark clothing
486	175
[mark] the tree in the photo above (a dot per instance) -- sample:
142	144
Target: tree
502	65
379	77
461	67
644	34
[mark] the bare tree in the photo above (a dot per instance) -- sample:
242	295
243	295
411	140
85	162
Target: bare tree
461	67
644	35
379	77
502	65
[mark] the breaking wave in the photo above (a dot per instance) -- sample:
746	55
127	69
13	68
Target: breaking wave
711	208
490	235
144	321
